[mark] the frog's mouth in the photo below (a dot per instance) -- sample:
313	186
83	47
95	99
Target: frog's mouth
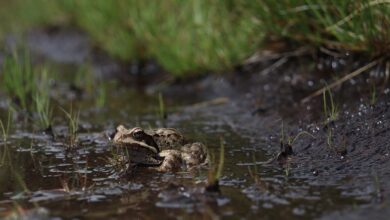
157	161
148	140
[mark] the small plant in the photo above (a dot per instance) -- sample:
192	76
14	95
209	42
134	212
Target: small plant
19	79
5	133
84	79
42	103
6	127
73	124
373	96
331	110
162	111
101	96
215	172
286	144
292	139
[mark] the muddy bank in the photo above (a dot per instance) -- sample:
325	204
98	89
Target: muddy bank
350	153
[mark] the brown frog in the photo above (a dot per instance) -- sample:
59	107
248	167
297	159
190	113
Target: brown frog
163	149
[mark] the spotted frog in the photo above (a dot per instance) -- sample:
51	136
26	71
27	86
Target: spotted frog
163	149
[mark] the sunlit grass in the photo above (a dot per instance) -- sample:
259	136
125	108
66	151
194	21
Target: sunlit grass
353	25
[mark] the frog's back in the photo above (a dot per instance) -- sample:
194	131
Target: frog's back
168	138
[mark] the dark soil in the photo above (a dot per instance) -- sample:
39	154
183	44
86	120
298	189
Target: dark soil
351	152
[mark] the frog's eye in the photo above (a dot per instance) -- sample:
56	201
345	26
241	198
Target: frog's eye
138	135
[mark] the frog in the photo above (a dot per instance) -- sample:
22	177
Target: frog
161	149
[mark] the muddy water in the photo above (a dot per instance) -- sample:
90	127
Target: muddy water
40	177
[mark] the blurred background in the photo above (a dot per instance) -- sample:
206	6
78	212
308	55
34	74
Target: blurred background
188	37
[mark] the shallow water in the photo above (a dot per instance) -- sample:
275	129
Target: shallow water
41	177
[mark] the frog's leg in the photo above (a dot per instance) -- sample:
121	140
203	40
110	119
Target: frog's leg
195	154
172	161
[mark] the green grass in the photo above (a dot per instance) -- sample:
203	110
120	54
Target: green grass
18	79
5	127
200	35
331	110
215	172
85	80
162	113
354	25
101	96
28	87
73	125
42	104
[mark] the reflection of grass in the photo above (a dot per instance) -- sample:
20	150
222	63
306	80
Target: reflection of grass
215	172
5	133
254	174
287	169
5	127
73	124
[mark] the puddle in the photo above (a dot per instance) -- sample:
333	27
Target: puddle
41	178
39	171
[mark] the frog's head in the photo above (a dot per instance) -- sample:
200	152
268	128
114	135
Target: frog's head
135	137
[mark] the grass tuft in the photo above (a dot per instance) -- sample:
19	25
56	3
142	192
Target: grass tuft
199	35
73	124
42	102
19	79
331	110
161	110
